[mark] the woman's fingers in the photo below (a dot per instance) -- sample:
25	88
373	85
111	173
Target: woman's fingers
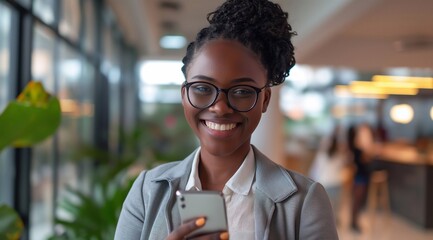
188	227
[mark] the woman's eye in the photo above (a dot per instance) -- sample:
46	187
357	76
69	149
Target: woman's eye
243	92
202	89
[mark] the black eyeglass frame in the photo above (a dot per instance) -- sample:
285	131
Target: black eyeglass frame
224	90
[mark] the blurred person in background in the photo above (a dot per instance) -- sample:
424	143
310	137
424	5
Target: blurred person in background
361	145
330	166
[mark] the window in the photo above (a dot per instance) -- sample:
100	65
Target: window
5	41
69	24
5	85
43	153
25	3
111	68
70	71
90	26
45	9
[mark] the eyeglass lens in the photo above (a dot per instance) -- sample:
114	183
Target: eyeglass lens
240	98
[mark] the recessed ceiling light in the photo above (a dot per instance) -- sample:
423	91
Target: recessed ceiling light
402	113
172	42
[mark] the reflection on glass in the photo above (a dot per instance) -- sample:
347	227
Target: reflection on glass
89	27
5	156
42	190
42	57
111	68
69	24
25	3
76	78
5	39
45	10
87	103
43	153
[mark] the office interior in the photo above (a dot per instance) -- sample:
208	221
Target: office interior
115	67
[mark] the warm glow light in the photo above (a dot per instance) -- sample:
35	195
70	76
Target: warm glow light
420	82
344	91
367	87
73	108
402	113
339	111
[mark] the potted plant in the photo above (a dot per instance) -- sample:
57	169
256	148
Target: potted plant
29	119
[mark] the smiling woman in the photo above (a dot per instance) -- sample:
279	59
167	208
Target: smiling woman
229	70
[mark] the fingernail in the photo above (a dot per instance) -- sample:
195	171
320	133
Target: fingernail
200	222
224	236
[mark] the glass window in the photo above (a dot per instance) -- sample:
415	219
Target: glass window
45	9
5	85
89	27
85	118
69	24
111	68
87	103
25	3
43	58
70	72
5	41
43	153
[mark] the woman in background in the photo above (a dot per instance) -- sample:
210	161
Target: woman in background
360	142
330	167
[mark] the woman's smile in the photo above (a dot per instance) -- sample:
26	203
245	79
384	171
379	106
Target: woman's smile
220	127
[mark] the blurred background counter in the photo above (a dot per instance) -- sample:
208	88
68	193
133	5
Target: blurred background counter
410	181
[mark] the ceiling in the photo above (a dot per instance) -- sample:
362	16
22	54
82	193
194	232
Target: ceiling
368	35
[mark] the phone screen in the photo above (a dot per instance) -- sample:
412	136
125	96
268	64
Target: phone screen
209	204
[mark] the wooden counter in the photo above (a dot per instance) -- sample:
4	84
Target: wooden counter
410	181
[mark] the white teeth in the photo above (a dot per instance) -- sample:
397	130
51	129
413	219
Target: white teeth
220	127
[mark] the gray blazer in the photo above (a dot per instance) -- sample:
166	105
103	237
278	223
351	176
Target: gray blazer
287	205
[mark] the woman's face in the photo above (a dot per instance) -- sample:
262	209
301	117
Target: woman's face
223	131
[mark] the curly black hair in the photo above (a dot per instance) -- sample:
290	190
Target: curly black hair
259	25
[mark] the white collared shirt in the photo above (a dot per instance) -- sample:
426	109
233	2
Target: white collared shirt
239	196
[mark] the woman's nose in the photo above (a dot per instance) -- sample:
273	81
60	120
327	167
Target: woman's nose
221	105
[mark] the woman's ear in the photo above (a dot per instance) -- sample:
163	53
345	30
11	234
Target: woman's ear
183	95
267	99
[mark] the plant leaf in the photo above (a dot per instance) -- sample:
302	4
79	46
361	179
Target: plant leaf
23	125
11	225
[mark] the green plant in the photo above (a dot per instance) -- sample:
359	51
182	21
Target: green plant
93	215
11	224
32	117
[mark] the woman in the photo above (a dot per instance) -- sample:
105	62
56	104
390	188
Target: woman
361	145
330	167
229	70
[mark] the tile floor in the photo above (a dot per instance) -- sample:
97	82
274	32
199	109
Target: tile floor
381	225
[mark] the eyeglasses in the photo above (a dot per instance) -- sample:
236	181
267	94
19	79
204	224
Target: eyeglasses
241	98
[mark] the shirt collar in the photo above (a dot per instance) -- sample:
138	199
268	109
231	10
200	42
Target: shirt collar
193	180
239	183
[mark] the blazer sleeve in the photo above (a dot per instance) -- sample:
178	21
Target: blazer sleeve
317	218
131	218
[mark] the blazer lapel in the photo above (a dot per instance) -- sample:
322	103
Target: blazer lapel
263	210
176	179
273	185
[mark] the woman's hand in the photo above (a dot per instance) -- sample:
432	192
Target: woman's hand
188	227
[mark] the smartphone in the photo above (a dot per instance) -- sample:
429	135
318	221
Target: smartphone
209	204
